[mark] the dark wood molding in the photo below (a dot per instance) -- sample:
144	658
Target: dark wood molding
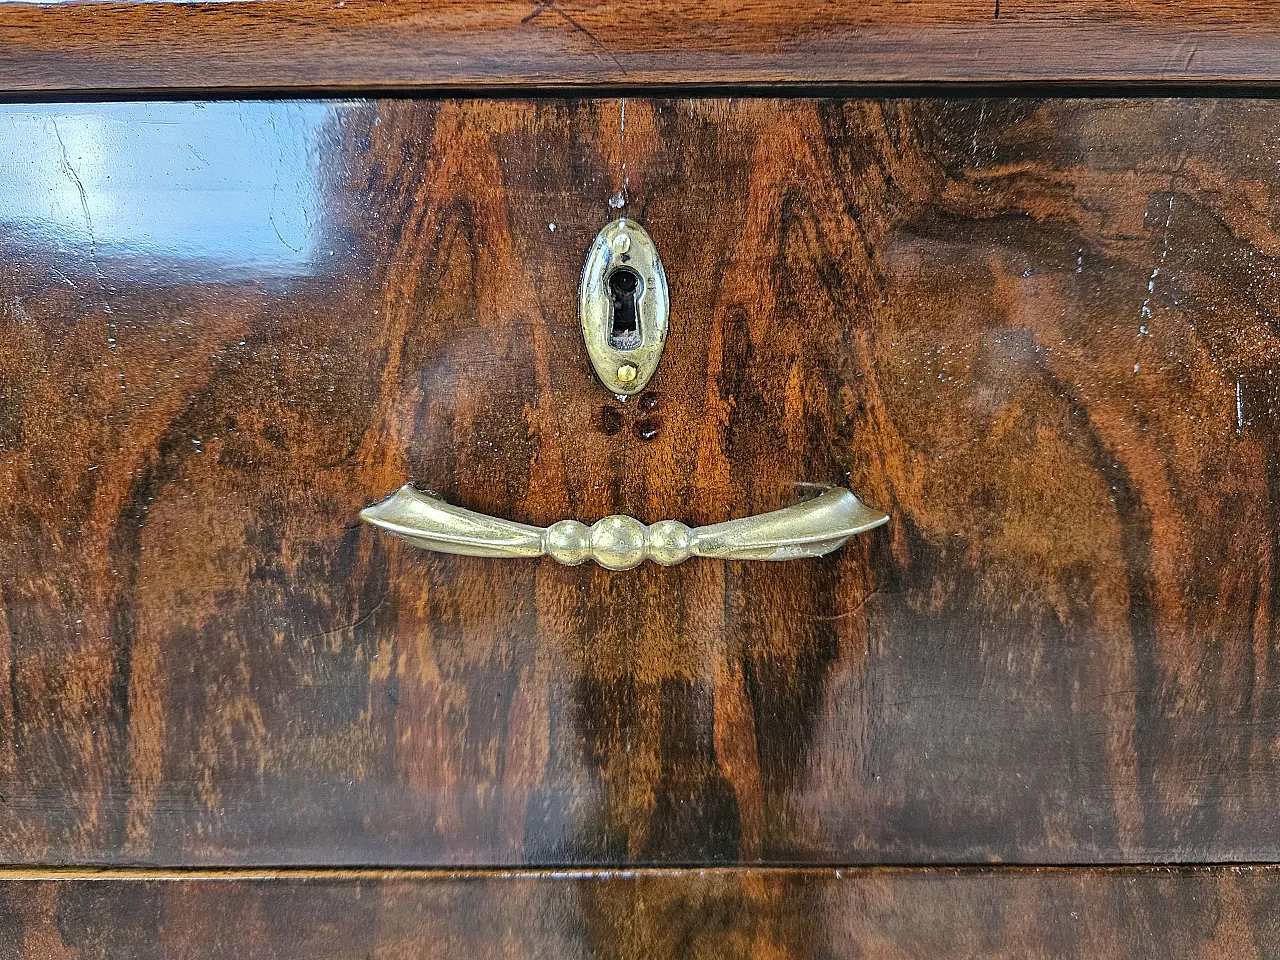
1179	914
432	44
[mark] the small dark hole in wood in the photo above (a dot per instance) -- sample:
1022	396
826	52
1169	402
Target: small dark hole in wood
648	428
624	294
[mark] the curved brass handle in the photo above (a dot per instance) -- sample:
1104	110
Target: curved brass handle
808	529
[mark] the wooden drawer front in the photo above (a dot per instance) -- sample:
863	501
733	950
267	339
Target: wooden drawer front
1039	334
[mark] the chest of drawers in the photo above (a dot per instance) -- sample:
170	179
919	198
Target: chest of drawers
1036	713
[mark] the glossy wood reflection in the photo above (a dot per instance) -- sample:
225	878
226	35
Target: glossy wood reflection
698	915
1040	335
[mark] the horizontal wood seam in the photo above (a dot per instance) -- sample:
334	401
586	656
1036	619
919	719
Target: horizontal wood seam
797	90
435	874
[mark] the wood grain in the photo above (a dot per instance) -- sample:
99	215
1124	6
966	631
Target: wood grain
367	44
1040	334
693	915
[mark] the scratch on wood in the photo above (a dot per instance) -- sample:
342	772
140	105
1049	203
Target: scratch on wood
543	6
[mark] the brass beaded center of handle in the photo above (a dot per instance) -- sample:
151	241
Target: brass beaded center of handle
619	542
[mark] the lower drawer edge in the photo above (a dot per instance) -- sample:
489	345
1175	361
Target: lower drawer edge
1022	912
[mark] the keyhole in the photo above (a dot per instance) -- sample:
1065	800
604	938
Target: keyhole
624	294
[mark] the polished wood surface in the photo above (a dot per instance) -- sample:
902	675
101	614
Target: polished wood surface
1178	914
370	44
1039	334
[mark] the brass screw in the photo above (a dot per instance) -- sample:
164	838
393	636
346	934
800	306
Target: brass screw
626	373
621	243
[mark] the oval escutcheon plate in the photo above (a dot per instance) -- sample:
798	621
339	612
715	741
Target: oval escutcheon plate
624	305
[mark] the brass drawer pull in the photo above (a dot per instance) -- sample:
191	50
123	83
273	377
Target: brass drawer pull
809	529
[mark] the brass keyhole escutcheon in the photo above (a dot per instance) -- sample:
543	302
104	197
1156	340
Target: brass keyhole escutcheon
624	307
